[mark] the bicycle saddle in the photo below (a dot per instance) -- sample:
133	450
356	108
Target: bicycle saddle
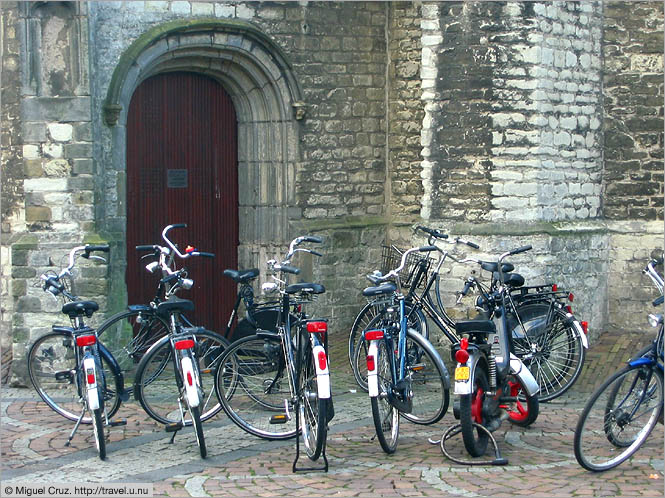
387	288
78	308
174	304
306	288
467	326
491	266
512	279
242	276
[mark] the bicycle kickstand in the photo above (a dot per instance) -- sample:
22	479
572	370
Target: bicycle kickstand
323	468
76	426
174	428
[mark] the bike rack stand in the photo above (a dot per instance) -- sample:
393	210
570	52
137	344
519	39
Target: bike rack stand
323	468
456	429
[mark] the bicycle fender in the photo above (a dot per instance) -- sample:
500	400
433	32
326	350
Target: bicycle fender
425	344
466	386
578	328
525	376
372	377
90	373
115	367
189	379
322	374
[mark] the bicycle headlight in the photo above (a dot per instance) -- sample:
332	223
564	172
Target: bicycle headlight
655	320
187	283
269	287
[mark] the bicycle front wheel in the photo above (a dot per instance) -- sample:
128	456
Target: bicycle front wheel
312	410
252	387
155	386
619	417
128	335
384	414
52	369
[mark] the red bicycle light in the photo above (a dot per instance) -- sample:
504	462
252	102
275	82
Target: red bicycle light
184	344
569	309
86	340
190	381
322	360
570	297
317	327
371	365
91	379
461	355
554	287
585	327
190	249
464	344
373	335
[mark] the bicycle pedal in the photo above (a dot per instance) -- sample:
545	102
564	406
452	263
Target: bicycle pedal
279	419
64	375
117	423
174	427
417	368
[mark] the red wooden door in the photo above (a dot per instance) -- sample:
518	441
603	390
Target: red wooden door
182	168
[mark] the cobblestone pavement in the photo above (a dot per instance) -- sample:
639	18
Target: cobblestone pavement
541	461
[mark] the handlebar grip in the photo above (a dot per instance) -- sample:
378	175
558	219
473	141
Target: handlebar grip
658	261
467	286
312	238
204	254
315	253
658	301
146	248
100	247
473	244
432	232
289	269
427	248
178	225
521	249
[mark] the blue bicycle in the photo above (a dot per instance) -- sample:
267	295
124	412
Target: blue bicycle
623	412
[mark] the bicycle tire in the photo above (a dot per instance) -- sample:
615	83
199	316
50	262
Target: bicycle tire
384	414
155	387
54	352
257	364
524	411
470	411
619	409
98	430
357	345
312	410
195	414
128	335
557	362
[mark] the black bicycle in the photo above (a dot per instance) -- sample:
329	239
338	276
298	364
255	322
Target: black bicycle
69	368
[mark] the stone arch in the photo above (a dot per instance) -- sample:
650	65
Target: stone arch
267	99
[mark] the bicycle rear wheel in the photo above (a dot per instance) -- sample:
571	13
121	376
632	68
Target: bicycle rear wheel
553	351
52	369
155	385
619	417
384	414
98	430
128	335
312	410
252	386
195	415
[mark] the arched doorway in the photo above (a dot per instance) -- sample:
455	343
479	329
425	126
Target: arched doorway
182	167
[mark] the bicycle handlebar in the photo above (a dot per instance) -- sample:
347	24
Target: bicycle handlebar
432	232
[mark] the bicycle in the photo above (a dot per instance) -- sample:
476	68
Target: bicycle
405	374
69	367
275	384
188	354
621	414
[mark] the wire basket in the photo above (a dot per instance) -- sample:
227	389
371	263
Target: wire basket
391	258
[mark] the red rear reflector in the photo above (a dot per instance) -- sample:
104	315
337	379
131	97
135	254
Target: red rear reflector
373	335
569	309
91	379
570	297
585	327
554	287
184	344
322	360
461	355
314	327
86	340
190	381
464	344
370	363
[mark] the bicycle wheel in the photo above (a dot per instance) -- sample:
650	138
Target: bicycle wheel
553	351
470	408
98	430
384	414
428	381
358	346
619	417
252	382
195	414
524	410
312	410
128	335
155	385
52	369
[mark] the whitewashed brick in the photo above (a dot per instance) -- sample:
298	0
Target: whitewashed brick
61	132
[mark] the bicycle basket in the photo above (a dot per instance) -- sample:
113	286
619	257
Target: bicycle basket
391	258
